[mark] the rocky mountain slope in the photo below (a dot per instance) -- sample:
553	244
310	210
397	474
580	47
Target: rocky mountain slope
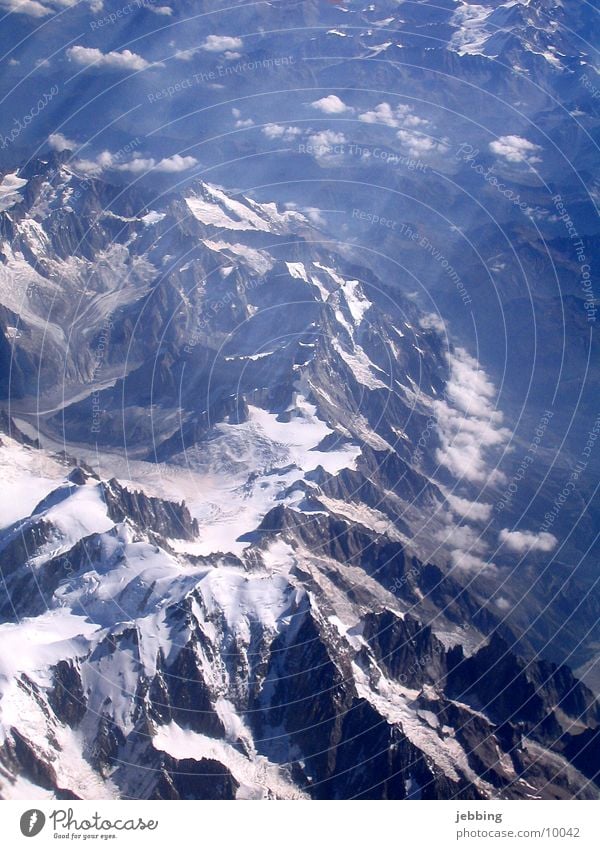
322	617
320	661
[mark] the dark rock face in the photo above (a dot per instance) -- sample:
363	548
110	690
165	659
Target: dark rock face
20	583
108	742
189	697
31	762
509	689
404	649
195	779
66	698
29	591
583	751
151	514
539	700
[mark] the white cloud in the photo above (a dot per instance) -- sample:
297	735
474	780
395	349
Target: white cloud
331	105
382	114
401	116
466	546
325	143
186	55
166	11
468	425
103	161
314	215
106	159
278	131
515	149
432	321
34	8
474	510
417	144
123	61
470	562
241	122
87	166
175	164
170	165
413	121
59	142
137	165
503	603
26	7
462	537
221	43
523	541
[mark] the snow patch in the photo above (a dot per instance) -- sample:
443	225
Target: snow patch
254	776
471	35
9	191
28	476
151	218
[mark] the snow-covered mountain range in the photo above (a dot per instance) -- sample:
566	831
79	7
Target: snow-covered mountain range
274	352
284	632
